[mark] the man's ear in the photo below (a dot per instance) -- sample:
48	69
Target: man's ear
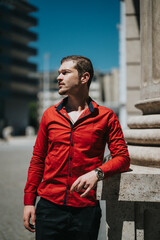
85	77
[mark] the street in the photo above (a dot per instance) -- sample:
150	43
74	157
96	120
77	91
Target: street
14	161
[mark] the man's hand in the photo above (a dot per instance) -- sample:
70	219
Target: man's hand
29	212
85	183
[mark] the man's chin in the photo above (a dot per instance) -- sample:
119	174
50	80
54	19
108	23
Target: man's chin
61	92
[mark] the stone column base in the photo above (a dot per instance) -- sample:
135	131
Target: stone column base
149	106
132	204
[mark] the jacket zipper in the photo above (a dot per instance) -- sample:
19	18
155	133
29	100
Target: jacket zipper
65	197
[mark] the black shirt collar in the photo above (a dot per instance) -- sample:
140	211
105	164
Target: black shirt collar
64	101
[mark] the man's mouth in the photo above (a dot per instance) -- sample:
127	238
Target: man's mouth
60	85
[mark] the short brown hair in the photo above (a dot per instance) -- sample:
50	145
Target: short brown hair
83	65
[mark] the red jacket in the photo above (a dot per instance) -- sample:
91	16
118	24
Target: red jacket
63	152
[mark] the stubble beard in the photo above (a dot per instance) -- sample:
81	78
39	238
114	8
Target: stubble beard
62	92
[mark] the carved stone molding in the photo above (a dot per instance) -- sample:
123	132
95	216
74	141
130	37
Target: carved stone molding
149	106
145	121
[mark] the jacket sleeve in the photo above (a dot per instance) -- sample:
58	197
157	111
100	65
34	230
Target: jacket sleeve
120	157
36	168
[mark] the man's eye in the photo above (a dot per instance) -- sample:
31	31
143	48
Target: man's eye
64	73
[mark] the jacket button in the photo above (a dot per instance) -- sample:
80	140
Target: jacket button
72	144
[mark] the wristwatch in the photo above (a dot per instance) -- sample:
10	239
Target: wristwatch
99	173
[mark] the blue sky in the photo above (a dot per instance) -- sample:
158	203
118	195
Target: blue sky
86	27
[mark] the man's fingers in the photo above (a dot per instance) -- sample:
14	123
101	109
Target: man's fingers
78	185
84	183
29	212
74	186
26	218
81	186
86	192
33	218
27	225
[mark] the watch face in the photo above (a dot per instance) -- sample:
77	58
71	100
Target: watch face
100	174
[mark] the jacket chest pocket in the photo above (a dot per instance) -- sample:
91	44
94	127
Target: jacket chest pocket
58	141
83	137
98	139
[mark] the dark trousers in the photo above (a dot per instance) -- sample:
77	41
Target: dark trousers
55	222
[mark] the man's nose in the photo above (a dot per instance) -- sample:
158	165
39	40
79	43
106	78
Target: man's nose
59	77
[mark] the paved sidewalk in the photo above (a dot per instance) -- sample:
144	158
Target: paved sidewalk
18	140
14	161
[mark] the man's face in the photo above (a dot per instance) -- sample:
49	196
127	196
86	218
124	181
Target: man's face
68	79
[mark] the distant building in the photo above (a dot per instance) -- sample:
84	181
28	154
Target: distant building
110	89
18	84
104	90
47	97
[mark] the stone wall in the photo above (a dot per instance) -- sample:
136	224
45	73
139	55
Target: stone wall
133	198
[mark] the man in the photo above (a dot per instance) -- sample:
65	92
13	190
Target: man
67	159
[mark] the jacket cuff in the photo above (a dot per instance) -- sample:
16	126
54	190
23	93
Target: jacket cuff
29	198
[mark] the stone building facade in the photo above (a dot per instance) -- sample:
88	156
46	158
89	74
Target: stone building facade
133	55
133	198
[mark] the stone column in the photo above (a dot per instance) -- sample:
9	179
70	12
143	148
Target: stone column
143	137
133	198
133	56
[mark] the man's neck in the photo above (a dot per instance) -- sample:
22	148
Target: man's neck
77	103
